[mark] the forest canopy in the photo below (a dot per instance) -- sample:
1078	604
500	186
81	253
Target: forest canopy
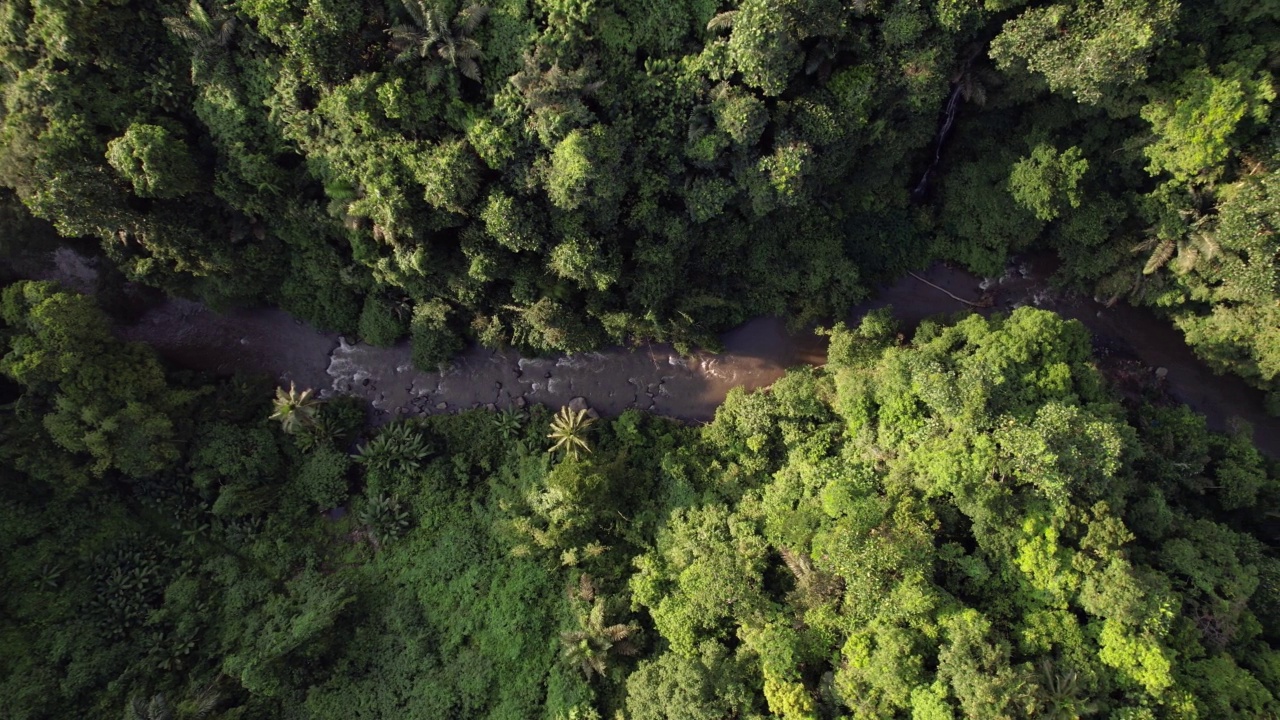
980	523
984	520
558	175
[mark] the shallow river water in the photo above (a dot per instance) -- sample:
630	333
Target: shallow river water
655	377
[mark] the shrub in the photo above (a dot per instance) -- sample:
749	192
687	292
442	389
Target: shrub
432	341
322	477
379	323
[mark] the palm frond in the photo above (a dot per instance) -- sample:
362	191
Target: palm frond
617	633
470	17
179	26
799	565
1208	244
722	21
1060	695
595	619
200	18
406	36
1163	252
227	30
157	709
972	89
206	701
469	68
586	588
417	10
468	48
1187	258
590	644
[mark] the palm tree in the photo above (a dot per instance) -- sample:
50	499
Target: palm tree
820	59
1196	247
1059	695
432	36
49	576
157	709
208	28
545	85
589	646
295	410
1187	246
567	430
813	587
197	705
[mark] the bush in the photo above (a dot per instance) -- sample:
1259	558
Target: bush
434	344
322	478
379	324
154	162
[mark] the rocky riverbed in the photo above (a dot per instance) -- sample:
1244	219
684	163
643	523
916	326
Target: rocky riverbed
654	378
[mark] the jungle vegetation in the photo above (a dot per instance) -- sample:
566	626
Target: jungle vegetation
980	522
557	175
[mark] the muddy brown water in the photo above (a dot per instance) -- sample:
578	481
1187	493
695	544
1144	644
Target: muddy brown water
652	377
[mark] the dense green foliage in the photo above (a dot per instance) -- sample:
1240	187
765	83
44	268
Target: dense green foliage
1139	149
974	525
562	174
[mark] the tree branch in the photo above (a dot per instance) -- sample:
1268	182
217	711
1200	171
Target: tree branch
952	295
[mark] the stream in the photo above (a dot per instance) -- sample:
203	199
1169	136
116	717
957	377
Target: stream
655	378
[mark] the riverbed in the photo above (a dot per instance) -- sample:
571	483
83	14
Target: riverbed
655	378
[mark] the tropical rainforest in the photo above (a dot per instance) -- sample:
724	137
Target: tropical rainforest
974	518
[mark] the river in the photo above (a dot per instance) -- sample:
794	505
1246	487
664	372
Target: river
655	378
